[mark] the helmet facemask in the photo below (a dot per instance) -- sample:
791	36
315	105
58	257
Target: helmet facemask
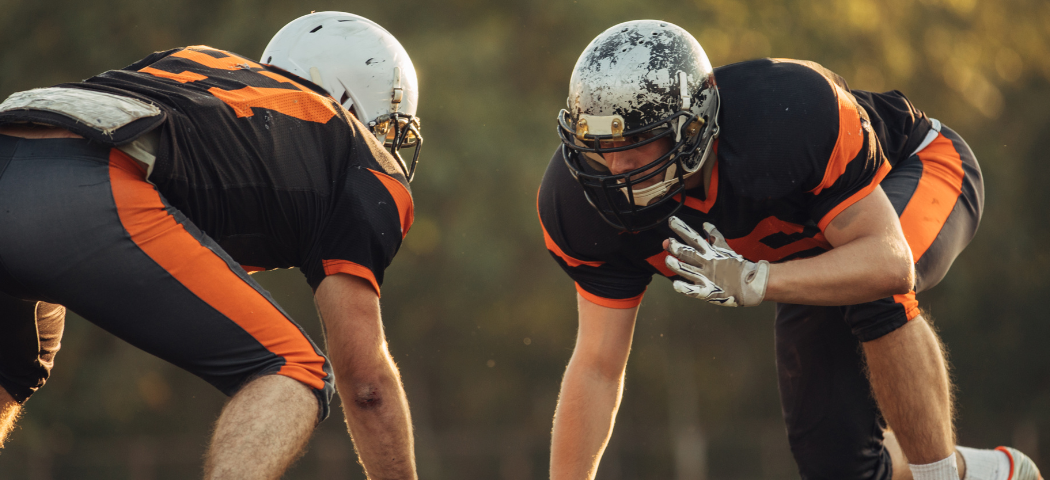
614	195
396	131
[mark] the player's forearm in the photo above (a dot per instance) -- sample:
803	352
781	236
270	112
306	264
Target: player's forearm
378	418
369	385
583	421
863	270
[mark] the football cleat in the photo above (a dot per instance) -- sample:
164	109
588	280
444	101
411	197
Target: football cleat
1021	467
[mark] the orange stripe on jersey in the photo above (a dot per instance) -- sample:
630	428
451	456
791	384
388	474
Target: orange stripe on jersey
610	302
935	196
307	106
752	248
283	79
849	142
250	270
879	175
657	261
304	104
229	62
183	77
705	204
205	274
332	267
910	304
403	199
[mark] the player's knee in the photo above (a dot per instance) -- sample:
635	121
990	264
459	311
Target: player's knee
318	379
290	389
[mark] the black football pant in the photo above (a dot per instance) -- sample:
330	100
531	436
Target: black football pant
834	425
80	227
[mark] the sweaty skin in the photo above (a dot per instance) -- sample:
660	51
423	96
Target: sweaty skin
870	259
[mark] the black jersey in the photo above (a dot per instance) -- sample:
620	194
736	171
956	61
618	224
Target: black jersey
796	147
268	164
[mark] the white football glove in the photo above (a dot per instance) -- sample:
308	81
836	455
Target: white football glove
718	274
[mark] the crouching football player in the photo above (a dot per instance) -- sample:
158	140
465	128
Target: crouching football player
839	205
142	197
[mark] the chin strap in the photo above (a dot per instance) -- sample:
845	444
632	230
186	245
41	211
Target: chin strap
643	196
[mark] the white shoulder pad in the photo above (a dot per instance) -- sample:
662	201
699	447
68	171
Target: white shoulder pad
105	112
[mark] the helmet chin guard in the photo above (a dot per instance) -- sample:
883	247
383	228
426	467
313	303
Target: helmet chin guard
362	66
638	82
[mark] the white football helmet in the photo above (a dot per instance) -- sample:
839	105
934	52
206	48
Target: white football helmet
360	64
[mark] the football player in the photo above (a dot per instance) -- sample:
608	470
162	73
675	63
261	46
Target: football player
837	204
141	198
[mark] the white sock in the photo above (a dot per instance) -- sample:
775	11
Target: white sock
985	464
946	469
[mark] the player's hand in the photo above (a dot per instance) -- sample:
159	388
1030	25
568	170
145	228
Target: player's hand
715	272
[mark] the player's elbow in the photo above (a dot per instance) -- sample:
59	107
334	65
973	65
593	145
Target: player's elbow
904	283
602	368
892	267
368	392
898	276
366	380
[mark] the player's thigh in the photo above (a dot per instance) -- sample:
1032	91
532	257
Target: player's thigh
124	259
939	195
834	426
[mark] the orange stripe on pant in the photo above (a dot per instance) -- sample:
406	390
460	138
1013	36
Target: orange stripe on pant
931	204
207	275
935	197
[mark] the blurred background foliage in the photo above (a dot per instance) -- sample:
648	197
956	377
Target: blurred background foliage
479	318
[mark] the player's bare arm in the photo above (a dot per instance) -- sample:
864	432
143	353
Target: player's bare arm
870	260
366	377
591	390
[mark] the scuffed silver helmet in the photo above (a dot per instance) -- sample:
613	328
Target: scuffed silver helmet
642	80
